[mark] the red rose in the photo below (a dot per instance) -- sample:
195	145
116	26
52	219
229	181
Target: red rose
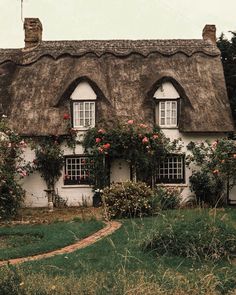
98	140
66	116
106	146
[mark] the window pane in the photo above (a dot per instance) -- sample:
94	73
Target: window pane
78	170
171	169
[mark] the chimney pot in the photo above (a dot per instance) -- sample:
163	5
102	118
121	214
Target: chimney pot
33	32
209	33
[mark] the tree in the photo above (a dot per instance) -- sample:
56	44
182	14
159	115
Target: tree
228	57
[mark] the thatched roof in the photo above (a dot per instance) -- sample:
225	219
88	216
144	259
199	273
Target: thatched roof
36	83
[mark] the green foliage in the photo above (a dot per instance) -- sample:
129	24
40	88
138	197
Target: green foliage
215	169
25	240
167	197
207	187
228	54
138	144
128	199
12	167
202	237
49	160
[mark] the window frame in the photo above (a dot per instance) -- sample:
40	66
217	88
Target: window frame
167	180
74	101
158	112
66	181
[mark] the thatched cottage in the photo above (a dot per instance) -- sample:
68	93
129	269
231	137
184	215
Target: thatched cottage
178	84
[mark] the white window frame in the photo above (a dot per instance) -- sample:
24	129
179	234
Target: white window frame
168	113
171	169
76	171
84	118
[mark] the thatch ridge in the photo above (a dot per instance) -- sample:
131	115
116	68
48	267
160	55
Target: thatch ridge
57	49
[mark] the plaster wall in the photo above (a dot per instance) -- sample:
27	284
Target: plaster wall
76	195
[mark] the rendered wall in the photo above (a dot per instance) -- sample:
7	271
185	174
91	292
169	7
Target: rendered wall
77	194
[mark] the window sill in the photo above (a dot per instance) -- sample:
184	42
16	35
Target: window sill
173	184
77	186
169	127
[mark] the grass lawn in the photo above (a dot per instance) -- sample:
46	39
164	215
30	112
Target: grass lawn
26	240
117	265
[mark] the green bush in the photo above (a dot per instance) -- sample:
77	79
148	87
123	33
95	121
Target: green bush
207	188
128	199
166	197
200	237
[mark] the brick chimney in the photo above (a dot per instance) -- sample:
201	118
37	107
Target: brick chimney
33	32
209	33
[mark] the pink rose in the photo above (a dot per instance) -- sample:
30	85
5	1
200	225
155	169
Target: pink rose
98	140
155	136
101	131
145	140
130	122
143	125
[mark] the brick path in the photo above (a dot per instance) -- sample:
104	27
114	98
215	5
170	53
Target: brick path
109	229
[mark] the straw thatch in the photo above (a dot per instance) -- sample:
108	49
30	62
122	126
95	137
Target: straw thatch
36	83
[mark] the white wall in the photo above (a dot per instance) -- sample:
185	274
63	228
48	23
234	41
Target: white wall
185	139
120	171
34	186
76	194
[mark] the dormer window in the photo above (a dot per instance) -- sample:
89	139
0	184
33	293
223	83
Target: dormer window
167	104
83	106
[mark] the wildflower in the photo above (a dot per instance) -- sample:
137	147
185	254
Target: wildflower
130	122
98	140
145	140
66	116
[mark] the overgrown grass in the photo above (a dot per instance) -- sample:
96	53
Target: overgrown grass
25	240
117	265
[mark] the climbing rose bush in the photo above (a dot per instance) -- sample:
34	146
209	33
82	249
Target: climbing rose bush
12	168
138	144
214	169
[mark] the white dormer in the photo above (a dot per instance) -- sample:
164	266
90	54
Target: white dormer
167	97
83	105
83	92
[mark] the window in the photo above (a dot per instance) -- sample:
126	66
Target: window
167	104
83	114
83	106
168	113
171	170
78	170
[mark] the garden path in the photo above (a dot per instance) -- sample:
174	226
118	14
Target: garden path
110	227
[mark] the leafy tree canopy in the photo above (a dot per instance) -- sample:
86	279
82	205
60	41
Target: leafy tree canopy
228	57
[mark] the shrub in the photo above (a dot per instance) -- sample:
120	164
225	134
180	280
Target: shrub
12	167
199	237
128	199
207	188
166	197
